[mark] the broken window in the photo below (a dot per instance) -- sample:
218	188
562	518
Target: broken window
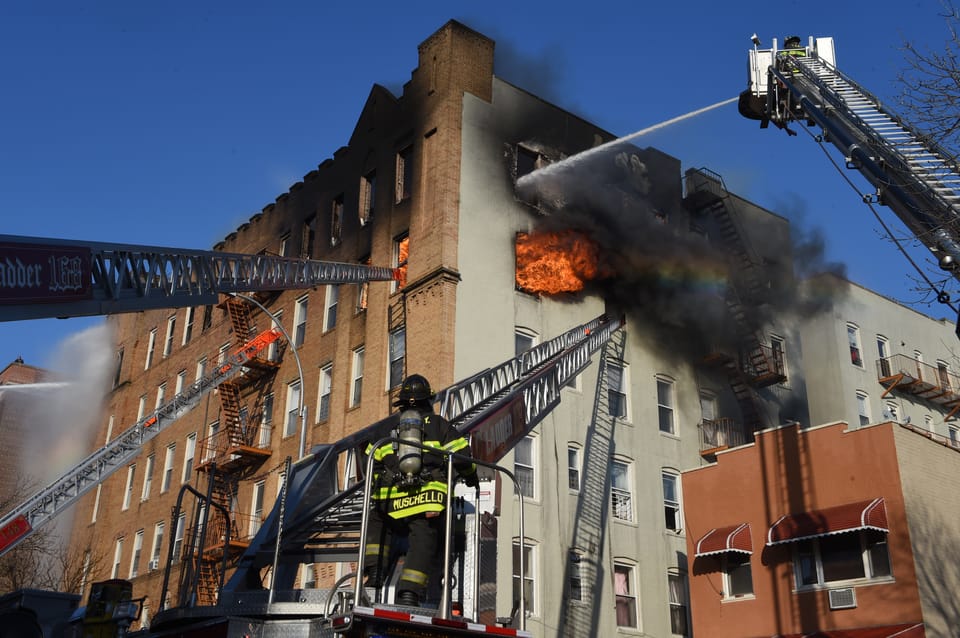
404	174
336	220
368	194
401	251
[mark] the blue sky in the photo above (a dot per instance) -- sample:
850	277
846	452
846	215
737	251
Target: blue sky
171	123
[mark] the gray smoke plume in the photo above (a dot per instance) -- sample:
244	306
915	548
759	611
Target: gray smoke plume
656	261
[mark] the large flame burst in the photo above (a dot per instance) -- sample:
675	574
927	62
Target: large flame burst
555	262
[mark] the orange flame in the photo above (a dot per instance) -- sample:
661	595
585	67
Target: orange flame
555	262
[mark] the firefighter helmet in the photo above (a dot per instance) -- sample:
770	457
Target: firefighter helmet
415	389
792	42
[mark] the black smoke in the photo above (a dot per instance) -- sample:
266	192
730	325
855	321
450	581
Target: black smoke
663	262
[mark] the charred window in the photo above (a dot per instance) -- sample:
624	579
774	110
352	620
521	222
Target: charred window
401	252
336	220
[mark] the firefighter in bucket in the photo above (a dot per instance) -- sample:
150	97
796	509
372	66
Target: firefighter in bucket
410	491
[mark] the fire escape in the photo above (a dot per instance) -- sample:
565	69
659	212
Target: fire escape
231	452
907	375
751	365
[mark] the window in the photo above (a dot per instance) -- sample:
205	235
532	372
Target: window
307	238
524	464
273	350
368	197
528	161
181	380
863	407
293	408
135	559
573	467
161	395
256	507
665	406
284	244
401	253
323	400
356	376
151	347
201	368
117	555
891	411
398	351
841	557
178	537
308	578
677	584
363	289
207	318
222	353
299	321
620	490
128	490
147	478
737	576
168	468
157	542
523	340
188	455
168	341
575	582
853	337
626	598
943	374
954	432
778	350
883	352
616	390
210	446
141	406
330	308
336	220
528	555
266	420
109	429
188	316
671	501
404	173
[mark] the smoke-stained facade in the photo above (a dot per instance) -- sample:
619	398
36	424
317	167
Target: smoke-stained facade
427	183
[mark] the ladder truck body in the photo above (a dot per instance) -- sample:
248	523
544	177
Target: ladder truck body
320	517
915	177
43	277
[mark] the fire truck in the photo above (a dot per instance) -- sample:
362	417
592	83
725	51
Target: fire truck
320	515
915	177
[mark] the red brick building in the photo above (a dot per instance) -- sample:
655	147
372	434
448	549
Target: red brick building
833	530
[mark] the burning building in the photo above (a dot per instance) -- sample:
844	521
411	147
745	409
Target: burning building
505	234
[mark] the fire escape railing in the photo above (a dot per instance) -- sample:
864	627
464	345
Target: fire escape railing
936	384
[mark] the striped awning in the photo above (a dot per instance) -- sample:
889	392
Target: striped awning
720	540
832	520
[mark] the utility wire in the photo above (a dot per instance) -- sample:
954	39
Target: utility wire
886	229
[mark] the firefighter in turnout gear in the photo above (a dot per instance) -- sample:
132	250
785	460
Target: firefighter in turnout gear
410	490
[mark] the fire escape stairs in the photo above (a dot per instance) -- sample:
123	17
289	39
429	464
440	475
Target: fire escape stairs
753	366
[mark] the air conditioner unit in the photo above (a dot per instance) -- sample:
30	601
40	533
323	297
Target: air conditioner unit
845	598
153	565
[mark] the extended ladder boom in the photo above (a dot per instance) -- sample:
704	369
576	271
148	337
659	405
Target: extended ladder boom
66	490
496	407
60	278
916	178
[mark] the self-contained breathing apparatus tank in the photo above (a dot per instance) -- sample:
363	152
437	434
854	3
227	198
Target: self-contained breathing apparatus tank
409	452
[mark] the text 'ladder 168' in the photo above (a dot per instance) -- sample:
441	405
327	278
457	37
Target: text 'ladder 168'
66	490
914	176
497	408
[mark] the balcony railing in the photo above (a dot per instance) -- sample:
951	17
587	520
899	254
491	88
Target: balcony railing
622	502
935	384
720	434
225	448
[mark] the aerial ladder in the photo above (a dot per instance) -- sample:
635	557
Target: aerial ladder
915	177
318	517
41	277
